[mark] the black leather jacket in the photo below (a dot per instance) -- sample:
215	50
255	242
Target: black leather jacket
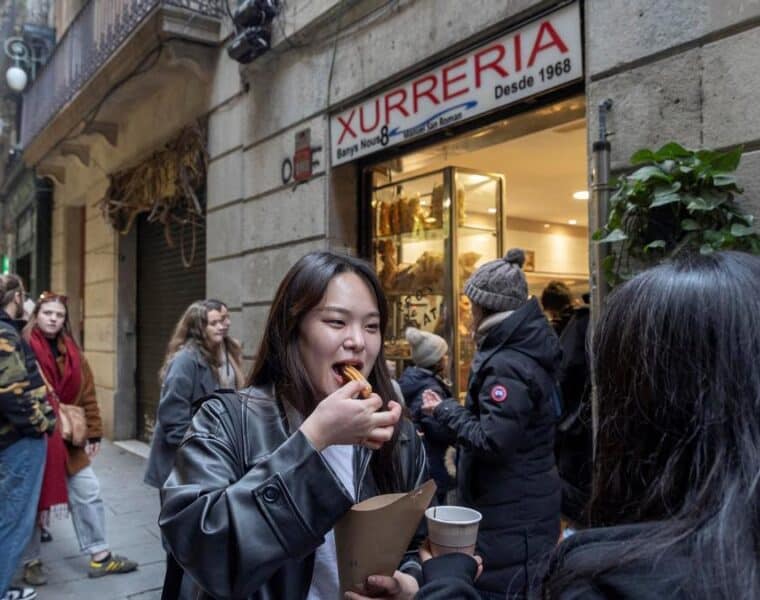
250	500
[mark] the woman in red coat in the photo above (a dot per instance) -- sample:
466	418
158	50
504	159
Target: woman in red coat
69	478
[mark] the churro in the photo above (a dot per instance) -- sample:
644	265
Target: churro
351	373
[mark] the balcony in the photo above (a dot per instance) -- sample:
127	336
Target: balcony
108	44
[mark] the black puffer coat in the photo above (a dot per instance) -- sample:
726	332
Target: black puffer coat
590	565
436	436
506	467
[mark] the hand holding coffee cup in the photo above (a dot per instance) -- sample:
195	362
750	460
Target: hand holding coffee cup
452	529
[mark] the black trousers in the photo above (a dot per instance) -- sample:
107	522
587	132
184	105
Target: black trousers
172	579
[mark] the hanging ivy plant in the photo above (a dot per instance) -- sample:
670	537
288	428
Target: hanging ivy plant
677	200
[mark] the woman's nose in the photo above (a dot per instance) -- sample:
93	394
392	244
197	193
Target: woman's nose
355	339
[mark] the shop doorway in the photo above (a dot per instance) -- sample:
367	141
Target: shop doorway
439	212
165	287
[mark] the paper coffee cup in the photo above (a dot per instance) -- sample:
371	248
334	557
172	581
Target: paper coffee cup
452	529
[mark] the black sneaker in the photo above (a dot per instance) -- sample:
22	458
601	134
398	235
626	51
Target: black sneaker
45	535
111	565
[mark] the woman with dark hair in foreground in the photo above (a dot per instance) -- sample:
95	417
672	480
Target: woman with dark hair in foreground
261	478
676	494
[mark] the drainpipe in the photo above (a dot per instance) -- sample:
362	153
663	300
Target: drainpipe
600	189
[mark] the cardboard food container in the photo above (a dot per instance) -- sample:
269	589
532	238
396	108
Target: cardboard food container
371	538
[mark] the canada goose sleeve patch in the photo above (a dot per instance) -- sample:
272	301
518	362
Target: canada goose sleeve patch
499	393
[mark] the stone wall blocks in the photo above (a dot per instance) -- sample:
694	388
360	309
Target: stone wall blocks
225	180
224	281
224	231
622	32
731	79
254	319
99	235
288	215
101	266
99	334
103	365
225	128
263	271
653	104
748	175
99	299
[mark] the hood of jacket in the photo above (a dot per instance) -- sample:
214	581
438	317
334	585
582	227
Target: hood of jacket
595	559
414	380
525	331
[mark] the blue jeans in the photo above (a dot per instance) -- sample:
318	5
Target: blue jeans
21	468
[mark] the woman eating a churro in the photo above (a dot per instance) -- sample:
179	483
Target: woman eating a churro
263	475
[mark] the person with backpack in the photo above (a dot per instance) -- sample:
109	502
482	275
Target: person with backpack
505	432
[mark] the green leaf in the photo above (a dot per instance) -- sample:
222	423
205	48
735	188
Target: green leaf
664	199
739	230
723	179
671	151
727	161
643	156
690	225
706	249
654	244
708	200
747	218
616	235
649	172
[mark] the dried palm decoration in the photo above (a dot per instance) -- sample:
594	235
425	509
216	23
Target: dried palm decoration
164	186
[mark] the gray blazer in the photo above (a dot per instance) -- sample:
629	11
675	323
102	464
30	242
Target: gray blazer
187	379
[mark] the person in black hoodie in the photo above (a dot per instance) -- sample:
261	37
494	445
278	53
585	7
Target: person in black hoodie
675	491
430	357
574	439
505	431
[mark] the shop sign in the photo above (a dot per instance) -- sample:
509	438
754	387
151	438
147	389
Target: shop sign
300	167
540	56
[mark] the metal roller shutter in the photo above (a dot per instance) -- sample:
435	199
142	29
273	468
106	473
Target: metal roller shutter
165	287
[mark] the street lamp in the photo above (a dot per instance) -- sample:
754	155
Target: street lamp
28	53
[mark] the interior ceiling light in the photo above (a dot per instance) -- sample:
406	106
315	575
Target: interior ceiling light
572	222
581	195
546	225
492	210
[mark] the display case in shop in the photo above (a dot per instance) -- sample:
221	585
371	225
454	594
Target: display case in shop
430	232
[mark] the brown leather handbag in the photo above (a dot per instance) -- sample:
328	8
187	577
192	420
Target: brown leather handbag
71	417
73	424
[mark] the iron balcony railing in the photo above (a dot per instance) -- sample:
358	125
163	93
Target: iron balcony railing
91	39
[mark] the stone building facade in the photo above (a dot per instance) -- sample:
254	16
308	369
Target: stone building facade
678	70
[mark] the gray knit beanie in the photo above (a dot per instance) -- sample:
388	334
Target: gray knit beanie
499	285
427	348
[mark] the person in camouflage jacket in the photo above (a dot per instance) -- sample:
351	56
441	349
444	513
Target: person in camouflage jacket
25	419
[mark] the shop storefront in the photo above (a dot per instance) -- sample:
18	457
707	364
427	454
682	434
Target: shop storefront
485	152
27	206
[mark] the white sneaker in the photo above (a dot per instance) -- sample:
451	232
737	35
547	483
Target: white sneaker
19	593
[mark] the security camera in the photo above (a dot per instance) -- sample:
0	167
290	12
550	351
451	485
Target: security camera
249	44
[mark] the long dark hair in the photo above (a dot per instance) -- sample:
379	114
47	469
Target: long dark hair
278	360
675	357
190	331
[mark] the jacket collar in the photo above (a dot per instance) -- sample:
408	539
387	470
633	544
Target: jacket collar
6	318
499	335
